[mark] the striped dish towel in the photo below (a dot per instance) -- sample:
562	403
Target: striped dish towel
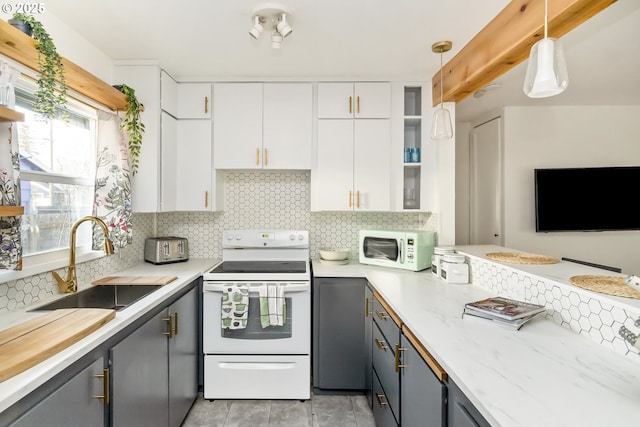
272	305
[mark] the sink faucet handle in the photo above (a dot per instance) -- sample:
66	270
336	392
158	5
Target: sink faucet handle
65	286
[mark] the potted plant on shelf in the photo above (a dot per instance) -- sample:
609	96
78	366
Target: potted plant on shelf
51	96
132	125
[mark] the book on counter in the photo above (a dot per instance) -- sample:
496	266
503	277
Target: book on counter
504	311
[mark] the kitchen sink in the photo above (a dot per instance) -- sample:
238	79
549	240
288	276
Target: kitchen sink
114	297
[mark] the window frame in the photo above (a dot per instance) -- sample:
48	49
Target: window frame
52	260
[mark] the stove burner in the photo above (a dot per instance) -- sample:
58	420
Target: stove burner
261	267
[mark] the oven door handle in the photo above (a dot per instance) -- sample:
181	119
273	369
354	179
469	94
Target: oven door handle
254	287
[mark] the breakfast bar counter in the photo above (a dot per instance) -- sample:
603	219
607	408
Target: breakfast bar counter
543	374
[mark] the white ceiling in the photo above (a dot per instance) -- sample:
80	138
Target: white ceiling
351	39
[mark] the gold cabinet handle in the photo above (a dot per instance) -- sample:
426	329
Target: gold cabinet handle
105	386
175	324
265	156
350	197
358	105
381	402
358	199
350	105
206	199
397	361
382	315
381	344
206	104
169	332
257	156
367	313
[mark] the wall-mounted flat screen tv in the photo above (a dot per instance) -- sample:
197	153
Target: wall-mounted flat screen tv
587	199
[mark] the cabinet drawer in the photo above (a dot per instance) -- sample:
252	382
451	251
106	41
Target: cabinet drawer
384	319
384	367
381	410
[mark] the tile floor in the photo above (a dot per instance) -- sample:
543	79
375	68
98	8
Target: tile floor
319	411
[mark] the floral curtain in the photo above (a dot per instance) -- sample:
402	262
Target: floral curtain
10	226
113	183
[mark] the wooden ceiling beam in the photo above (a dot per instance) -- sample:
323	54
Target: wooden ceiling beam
506	41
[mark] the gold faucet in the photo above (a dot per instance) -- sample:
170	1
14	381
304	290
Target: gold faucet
70	285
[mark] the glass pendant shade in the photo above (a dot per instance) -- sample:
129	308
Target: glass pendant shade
441	127
547	70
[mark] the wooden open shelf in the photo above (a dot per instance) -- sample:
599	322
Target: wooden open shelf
20	47
11	210
9	115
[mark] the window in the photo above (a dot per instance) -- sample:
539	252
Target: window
57	173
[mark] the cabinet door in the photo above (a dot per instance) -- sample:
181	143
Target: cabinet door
372	100
372	165
139	380
423	395
168	94
194	101
194	170
145	184
368	343
168	169
237	130
72	404
183	357
460	410
339	346
335	101
287	131
333	177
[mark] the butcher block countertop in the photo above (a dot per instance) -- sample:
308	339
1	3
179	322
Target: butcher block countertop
18	386
29	343
541	375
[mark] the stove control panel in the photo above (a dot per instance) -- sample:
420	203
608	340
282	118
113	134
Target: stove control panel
265	238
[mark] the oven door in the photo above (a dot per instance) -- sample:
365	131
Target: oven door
294	337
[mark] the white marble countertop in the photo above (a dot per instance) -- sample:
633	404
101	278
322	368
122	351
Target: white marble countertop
17	387
541	375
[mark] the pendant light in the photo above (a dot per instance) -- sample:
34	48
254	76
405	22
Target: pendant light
441	127
547	70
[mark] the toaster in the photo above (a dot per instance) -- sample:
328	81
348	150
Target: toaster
165	250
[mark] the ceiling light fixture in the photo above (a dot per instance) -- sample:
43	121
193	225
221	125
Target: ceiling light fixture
547	70
283	27
257	28
441	127
275	17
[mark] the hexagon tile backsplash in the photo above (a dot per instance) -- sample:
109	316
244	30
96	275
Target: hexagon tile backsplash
570	307
253	199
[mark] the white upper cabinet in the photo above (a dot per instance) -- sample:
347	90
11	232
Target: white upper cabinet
198	187
262	126
353	167
168	94
169	147
237	126
354	100
194	100
287	126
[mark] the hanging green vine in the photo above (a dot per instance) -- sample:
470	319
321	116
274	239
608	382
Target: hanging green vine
51	96
132	125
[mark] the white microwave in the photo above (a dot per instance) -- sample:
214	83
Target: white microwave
409	250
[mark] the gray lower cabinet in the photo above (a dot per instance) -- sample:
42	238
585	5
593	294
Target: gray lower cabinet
368	343
461	412
424	396
154	370
339	354
74	403
183	357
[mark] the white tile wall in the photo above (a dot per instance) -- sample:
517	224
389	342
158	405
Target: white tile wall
253	199
577	310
